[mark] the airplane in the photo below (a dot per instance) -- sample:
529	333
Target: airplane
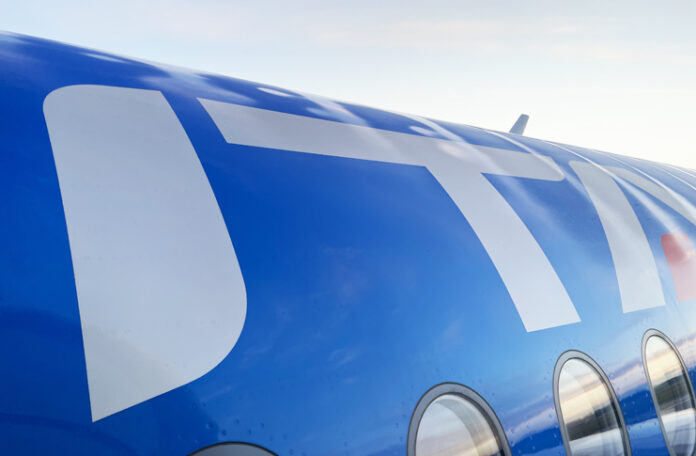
199	265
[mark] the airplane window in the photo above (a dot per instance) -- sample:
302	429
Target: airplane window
672	393
589	414
232	449
452	420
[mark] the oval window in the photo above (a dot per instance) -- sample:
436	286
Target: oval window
452	420
672	393
589	414
232	449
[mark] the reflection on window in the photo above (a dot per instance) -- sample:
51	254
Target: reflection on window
454	426
589	411
671	392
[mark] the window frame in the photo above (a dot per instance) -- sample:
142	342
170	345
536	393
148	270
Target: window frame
574	354
656	333
467	394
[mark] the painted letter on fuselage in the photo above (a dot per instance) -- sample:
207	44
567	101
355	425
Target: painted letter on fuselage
636	271
160	294
536	290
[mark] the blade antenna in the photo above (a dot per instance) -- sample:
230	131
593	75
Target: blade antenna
520	125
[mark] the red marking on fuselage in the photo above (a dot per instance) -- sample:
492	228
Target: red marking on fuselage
681	257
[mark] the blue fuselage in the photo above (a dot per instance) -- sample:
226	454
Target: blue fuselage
314	272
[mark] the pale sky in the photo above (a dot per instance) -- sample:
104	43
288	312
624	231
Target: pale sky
617	76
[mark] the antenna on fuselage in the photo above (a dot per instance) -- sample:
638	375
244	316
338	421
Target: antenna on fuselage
520	125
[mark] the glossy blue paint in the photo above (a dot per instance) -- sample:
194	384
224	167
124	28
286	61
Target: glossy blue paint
365	284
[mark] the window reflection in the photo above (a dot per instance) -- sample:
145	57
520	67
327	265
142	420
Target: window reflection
672	395
453	426
589	412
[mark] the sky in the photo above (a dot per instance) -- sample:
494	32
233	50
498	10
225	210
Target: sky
618	76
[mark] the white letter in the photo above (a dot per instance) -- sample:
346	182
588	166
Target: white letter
636	271
537	292
161	297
